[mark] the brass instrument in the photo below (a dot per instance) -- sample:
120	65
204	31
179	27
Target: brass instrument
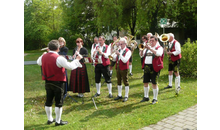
131	43
114	48
141	46
165	38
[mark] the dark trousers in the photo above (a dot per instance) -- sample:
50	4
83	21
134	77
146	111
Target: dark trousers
122	75
150	74
100	69
54	89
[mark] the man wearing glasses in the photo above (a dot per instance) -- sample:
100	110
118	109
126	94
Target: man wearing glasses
122	65
152	64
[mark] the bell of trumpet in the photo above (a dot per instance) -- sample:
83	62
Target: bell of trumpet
141	46
111	56
164	37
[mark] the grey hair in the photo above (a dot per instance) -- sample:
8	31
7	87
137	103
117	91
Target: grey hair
150	34
171	34
96	38
53	45
124	40
102	37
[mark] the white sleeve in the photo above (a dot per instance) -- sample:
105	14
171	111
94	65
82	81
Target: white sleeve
62	62
143	53
39	61
92	50
178	49
126	58
107	52
159	52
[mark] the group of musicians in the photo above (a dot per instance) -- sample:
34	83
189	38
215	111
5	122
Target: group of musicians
54	68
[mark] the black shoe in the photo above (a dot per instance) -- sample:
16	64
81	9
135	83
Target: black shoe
96	95
61	123
177	90
145	99
154	101
125	99
117	98
130	74
50	122
167	87
110	96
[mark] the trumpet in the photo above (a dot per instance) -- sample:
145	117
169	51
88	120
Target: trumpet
141	46
114	48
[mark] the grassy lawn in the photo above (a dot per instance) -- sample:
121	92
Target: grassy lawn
110	114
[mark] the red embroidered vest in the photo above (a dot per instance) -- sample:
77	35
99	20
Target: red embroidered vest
105	61
122	65
173	57
50	71
157	61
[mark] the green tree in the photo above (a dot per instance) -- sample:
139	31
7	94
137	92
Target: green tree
41	22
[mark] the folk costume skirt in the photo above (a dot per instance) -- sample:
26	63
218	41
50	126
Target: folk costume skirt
79	82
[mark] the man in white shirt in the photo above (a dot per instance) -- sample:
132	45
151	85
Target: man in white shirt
151	72
174	62
122	65
100	55
53	72
96	43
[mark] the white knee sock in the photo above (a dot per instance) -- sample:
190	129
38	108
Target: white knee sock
111	71
49	113
170	77
155	92
119	90
109	85
178	77
126	91
130	67
98	87
146	91
58	111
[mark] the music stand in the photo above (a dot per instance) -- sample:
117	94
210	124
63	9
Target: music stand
88	60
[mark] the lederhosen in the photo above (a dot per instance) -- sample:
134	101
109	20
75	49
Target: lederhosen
102	68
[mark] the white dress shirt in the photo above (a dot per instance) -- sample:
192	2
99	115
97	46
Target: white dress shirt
177	47
148	59
62	62
125	58
104	54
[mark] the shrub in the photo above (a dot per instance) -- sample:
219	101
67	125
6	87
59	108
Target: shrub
188	64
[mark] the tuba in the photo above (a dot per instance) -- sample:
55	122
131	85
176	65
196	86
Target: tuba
114	48
131	43
164	38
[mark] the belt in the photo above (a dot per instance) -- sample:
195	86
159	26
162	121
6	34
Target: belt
149	54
